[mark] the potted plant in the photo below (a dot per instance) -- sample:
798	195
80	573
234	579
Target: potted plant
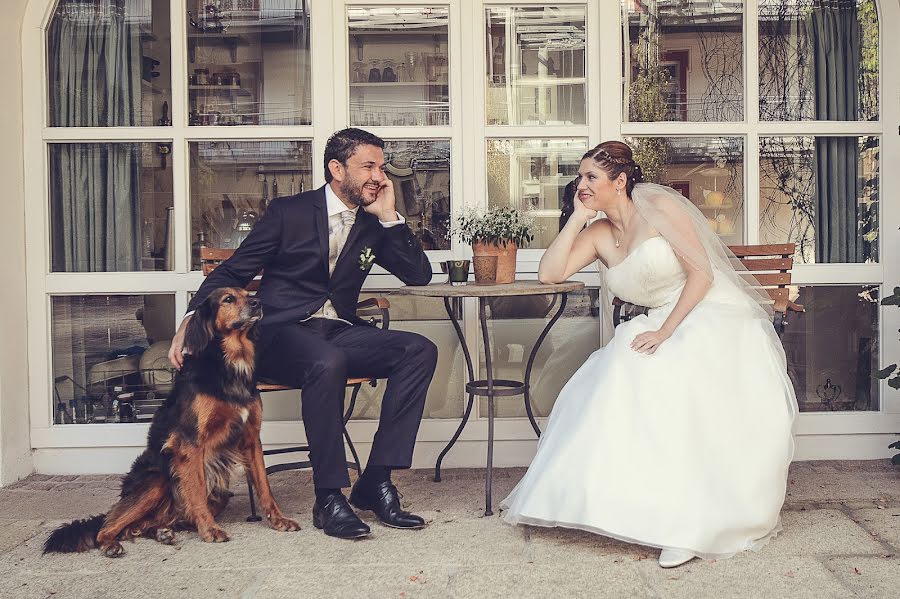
500	232
890	372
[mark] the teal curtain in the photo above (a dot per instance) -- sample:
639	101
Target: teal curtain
833	32
95	61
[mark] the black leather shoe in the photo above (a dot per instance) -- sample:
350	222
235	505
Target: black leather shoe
384	500
337	519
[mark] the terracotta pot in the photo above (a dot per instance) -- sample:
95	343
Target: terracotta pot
506	258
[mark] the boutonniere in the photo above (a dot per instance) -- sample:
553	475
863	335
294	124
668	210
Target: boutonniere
366	258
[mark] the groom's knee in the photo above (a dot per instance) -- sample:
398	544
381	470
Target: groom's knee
424	352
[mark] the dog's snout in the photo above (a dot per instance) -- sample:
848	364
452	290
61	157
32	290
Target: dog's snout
253	302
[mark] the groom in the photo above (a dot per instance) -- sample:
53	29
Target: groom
315	249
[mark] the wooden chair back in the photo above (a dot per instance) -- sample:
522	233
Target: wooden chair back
771	266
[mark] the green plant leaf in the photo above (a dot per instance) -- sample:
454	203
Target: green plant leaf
893	299
883	374
894	383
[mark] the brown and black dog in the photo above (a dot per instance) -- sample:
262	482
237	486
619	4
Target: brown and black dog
209	424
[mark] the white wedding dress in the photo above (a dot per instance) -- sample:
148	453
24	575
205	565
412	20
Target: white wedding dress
687	448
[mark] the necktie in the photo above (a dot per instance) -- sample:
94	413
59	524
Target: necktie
339	237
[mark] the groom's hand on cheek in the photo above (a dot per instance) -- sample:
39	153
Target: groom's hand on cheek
384	205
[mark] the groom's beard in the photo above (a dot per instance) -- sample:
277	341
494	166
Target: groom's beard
353	193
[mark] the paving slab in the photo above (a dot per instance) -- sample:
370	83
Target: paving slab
883	524
841	538
745	576
870	577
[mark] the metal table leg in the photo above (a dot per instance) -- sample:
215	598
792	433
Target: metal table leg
534	351
451	312
489	475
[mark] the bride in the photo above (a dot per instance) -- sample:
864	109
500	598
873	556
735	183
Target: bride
678	433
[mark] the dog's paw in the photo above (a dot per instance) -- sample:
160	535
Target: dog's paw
214	535
114	549
166	536
283	524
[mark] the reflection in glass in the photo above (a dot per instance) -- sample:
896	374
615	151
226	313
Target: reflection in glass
535	65
709	171
514	325
110	207
420	171
108	64
818	60
232	183
832	348
821	193
531	176
684	61
110	359
407	66
249	62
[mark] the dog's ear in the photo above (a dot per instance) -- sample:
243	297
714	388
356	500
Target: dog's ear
200	329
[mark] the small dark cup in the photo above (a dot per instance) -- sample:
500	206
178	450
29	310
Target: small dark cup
457	271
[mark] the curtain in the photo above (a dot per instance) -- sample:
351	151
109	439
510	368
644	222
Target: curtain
833	32
95	59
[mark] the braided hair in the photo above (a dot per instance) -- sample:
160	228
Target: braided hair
615	158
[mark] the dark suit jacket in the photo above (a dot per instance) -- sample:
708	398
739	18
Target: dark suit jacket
290	243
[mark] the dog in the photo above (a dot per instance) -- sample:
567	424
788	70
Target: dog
209	424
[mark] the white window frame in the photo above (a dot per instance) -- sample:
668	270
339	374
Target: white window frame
828	434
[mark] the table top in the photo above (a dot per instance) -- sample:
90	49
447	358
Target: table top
471	289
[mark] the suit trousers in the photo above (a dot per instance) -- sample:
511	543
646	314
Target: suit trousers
318	356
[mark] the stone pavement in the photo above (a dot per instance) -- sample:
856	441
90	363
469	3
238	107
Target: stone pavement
841	538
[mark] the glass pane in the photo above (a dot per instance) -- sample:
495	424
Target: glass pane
709	171
822	194
531	175
684	60
399	65
420	171
818	60
514	325
832	348
232	182
446	394
110	359
111	207
108	64
249	62
535	65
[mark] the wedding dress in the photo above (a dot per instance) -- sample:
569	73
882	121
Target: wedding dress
687	448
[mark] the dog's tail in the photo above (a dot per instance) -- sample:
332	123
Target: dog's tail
76	536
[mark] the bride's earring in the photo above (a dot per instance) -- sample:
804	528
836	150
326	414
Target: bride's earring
618	191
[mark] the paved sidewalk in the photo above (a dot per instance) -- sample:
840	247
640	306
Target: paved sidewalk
841	539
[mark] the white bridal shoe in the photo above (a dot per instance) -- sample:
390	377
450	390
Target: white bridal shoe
672	558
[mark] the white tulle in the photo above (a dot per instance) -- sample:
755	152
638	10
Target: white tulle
687	448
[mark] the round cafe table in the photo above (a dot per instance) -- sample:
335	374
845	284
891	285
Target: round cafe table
489	386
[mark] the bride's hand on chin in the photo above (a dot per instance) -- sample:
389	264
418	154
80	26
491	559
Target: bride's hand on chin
649	342
582	212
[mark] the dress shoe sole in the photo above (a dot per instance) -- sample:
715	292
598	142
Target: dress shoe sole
389	525
350	537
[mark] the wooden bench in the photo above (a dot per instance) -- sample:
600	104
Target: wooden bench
769	264
375	309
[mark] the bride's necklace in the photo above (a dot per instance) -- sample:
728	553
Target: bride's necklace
615	237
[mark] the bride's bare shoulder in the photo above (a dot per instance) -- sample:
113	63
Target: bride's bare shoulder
599	231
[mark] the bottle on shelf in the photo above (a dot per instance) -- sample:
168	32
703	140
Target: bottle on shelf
196	249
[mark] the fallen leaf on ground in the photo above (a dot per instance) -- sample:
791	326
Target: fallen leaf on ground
856	571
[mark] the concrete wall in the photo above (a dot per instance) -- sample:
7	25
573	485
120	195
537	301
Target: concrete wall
15	448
